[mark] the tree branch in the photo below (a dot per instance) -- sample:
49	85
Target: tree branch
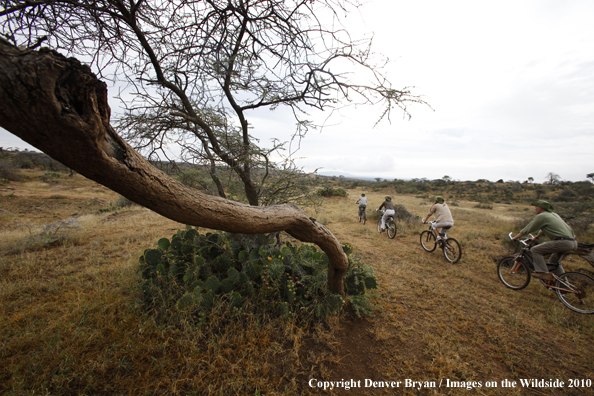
57	105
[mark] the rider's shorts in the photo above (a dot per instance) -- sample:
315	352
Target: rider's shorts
446	224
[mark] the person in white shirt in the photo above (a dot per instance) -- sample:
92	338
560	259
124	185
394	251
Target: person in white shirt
443	217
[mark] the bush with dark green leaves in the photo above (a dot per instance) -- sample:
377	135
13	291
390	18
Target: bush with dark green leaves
332	192
193	272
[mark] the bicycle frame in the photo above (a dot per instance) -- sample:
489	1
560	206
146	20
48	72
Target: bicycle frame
449	246
574	289
527	254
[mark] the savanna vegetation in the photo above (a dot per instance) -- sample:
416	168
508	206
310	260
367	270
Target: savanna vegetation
83	311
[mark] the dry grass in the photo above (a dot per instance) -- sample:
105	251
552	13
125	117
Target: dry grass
72	323
459	322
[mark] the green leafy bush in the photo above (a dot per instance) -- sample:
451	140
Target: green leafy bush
49	177
400	213
332	192
192	272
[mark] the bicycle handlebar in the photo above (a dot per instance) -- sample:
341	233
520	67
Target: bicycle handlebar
523	241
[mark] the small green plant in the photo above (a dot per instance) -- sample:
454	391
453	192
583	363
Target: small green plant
193	272
49	177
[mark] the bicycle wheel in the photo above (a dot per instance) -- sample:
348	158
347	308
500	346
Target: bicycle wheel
379	225
391	228
514	276
576	292
452	250
428	241
364	217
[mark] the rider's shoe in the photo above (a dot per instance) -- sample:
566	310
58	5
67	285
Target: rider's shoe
438	238
543	275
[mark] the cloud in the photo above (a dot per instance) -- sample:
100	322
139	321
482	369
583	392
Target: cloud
511	86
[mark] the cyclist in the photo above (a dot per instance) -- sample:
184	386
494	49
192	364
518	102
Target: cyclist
443	217
362	201
549	224
389	210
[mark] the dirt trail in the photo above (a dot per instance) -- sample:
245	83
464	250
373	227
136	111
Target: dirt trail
439	322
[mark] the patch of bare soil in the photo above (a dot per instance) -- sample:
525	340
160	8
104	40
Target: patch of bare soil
361	354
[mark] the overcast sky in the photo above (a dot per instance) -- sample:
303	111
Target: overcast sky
511	85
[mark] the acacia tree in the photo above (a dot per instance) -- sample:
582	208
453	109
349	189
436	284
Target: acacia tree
195	69
552	178
59	106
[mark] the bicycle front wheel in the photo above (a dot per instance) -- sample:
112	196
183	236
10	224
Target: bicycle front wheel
514	275
391	228
452	250
576	292
379	225
428	241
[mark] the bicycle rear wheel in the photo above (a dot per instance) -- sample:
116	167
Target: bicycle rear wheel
452	250
428	241
515	276
576	292
391	228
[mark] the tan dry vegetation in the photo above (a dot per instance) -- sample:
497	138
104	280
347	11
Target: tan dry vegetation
458	322
72	323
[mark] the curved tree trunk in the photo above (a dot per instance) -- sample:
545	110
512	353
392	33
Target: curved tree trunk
59	106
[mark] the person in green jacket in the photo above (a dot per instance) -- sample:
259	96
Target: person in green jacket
549	224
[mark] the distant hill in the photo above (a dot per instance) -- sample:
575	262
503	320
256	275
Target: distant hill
350	176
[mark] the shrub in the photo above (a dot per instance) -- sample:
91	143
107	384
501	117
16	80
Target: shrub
579	215
9	173
332	192
49	177
192	273
121	203
400	213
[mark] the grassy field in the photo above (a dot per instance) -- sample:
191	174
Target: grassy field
72	322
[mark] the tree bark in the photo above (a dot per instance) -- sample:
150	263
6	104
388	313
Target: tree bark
59	106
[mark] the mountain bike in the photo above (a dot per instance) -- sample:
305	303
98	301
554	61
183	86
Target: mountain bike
574	289
450	247
390	225
362	214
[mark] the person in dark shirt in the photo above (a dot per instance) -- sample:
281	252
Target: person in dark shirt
389	210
